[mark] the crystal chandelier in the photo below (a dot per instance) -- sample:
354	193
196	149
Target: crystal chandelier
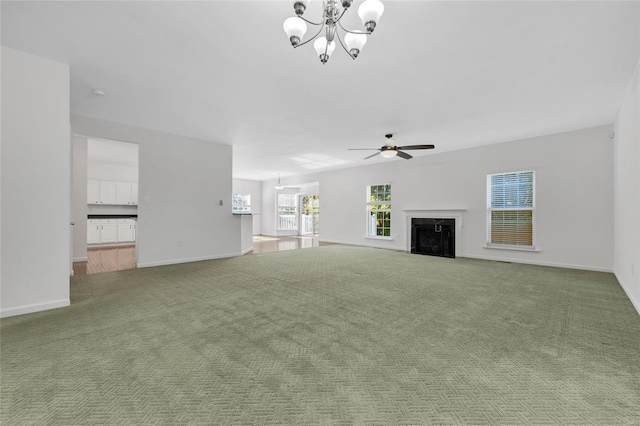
369	11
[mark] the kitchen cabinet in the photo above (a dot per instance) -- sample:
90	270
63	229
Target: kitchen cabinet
93	231
126	230
109	231
112	193
106	231
108	193
124	193
93	192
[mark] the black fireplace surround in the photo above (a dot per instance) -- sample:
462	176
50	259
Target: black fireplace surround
433	236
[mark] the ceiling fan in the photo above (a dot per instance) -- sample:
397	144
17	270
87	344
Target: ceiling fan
390	149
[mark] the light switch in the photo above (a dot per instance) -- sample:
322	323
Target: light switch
221	202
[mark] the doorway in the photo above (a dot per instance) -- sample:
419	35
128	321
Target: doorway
105	206
309	215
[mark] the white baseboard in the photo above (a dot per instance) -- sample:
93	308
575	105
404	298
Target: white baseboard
36	307
541	263
80	259
634	302
245	251
187	260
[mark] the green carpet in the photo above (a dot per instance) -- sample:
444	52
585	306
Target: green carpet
328	335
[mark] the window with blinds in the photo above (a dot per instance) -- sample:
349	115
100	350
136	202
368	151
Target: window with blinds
511	208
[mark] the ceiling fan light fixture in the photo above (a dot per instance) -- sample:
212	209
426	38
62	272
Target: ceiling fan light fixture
390	149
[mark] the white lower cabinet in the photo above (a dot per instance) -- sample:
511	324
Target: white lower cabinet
104	231
109	231
126	230
93	231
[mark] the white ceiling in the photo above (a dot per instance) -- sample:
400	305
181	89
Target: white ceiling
455	74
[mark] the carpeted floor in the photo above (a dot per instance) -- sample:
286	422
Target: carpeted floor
328	335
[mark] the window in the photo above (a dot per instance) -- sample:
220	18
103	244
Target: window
241	203
511	209
287	212
379	211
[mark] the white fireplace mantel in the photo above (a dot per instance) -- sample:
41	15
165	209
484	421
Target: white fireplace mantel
444	213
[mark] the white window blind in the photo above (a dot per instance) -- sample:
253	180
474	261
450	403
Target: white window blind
511	207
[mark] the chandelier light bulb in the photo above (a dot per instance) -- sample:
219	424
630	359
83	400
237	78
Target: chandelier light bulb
389	153
323	49
295	29
354	43
370	12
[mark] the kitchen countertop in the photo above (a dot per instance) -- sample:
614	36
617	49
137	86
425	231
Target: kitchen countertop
112	216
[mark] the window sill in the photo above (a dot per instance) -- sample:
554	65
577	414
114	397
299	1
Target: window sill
514	248
370	237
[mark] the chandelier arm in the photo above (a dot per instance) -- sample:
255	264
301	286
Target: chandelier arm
312	38
309	22
343	46
340	17
353	32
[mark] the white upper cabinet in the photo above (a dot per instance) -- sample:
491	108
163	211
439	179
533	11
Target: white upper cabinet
124	193
113	193
93	192
108	193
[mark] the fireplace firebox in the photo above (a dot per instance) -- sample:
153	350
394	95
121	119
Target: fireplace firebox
433	236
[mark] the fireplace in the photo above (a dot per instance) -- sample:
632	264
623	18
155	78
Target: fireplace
433	236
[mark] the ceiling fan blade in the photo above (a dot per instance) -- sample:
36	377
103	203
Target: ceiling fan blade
416	147
404	155
362	149
372	155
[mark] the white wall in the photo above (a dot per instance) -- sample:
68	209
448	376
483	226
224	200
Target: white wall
627	192
181	181
112	172
574	181
36	186
254	188
79	195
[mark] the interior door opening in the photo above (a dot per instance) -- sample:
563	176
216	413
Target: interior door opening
310	215
106	206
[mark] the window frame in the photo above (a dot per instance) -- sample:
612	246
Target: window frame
241	203
532	209
370	207
294	215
